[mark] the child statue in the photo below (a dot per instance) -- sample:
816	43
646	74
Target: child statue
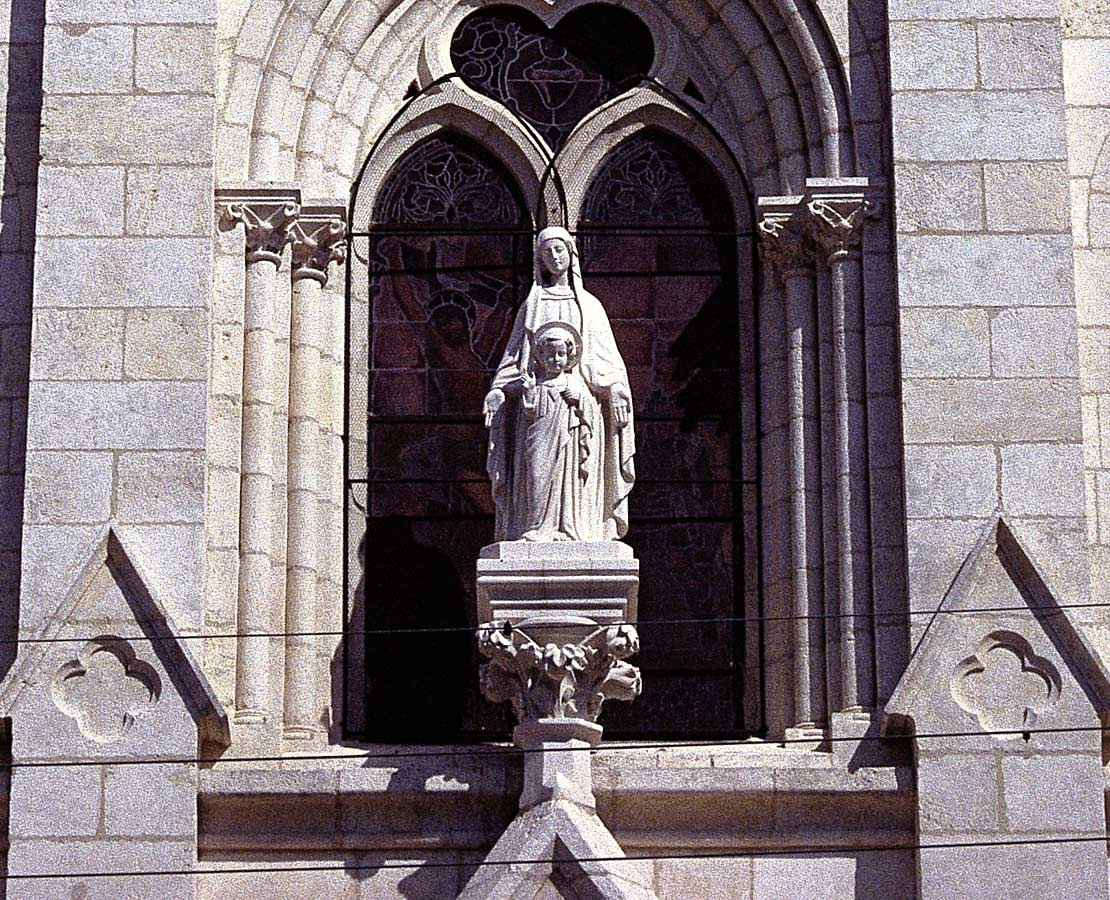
562	416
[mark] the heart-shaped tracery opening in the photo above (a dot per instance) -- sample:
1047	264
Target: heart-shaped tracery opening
552	77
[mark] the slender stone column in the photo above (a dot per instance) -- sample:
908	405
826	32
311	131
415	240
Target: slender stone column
837	217
787	250
319	236
268	216
330	586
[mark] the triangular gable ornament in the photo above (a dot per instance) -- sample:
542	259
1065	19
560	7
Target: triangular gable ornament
558	848
1000	647
88	630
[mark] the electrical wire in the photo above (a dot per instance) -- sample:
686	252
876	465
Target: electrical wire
555	861
1058	609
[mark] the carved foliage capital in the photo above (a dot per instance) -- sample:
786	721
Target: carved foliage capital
837	222
571	681
784	243
319	239
268	221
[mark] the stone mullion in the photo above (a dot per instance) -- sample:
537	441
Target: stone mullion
319	242
837	221
268	219
787	249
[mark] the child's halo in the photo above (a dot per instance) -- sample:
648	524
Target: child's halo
574	354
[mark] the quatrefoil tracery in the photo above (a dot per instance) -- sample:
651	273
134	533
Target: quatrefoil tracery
1005	685
105	688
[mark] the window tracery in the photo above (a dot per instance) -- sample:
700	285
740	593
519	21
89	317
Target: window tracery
552	77
661	253
448	253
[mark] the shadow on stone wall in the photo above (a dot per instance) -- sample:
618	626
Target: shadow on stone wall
410	647
22	46
871	112
22	110
460	804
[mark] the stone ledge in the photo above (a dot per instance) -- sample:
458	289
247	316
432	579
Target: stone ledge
762	797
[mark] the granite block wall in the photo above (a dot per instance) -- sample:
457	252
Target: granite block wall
1086	52
118	237
990	383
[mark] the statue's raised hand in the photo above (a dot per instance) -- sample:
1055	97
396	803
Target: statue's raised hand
494	401
620	398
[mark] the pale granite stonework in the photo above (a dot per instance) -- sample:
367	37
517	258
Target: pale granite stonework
220	410
160	202
69	335
101	60
165	344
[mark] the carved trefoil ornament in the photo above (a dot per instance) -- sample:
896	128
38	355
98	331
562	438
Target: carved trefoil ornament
1005	685
105	689
567	681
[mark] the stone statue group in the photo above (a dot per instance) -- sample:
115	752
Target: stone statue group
562	445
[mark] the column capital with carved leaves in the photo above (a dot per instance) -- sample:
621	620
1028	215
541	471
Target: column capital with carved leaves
319	239
267	214
837	210
785	242
558	680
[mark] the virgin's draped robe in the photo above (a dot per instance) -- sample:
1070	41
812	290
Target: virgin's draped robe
556	502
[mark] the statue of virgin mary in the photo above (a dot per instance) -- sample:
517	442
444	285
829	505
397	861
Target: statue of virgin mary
567	476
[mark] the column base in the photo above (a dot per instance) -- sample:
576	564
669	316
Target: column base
806	736
301	733
250	717
855	741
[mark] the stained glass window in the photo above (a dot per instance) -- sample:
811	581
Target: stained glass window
661	253
552	77
450	255
449	259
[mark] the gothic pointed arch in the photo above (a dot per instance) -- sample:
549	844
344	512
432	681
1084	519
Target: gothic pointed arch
450	108
667	250
647	107
442	250
769	73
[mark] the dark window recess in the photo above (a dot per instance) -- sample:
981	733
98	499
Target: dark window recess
552	77
450	252
450	257
659	250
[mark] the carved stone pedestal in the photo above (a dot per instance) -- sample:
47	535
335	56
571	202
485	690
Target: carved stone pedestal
557	760
558	634
537	586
